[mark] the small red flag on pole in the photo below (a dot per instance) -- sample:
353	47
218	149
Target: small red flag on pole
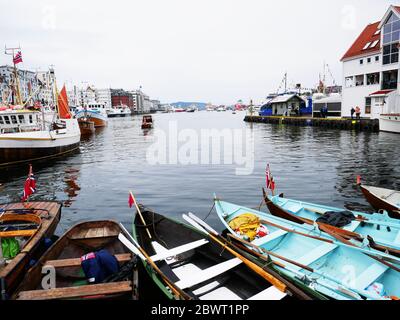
270	179
18	58
131	200
29	186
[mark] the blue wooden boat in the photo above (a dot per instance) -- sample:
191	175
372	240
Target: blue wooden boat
378	231
335	269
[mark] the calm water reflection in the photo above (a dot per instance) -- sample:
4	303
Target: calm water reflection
310	164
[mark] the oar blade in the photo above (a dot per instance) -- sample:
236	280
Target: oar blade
124	240
203	224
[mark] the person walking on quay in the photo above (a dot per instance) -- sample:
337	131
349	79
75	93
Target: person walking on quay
353	111
358	113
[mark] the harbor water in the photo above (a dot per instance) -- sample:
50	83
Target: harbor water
308	163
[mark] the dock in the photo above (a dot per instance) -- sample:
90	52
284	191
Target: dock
371	125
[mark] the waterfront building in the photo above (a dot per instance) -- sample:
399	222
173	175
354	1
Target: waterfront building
142	102
32	85
120	97
156	104
284	105
371	68
87	95
104	96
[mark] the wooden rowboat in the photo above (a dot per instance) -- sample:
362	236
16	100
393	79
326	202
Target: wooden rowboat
196	267
383	199
378	230
147	122
32	223
65	256
334	269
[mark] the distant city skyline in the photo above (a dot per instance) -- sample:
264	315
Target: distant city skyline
209	51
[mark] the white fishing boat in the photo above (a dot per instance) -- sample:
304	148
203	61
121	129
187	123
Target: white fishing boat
95	112
119	111
390	122
389	119
29	135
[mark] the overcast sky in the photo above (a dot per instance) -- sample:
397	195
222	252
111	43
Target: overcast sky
205	50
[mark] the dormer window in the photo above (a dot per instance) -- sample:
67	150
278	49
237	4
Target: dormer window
367	46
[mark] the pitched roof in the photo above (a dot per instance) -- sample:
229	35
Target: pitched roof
284	98
367	36
381	93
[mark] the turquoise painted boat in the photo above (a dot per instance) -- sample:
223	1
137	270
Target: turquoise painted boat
378	231
335	269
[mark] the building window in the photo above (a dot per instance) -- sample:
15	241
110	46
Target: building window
359	80
369	60
368	102
377	58
349	82
373	78
362	61
391	37
390	53
389	79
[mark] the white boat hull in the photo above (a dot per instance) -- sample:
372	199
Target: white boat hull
22	147
390	123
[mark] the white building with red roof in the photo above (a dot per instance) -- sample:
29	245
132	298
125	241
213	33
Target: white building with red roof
371	67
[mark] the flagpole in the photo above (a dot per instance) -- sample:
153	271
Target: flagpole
140	215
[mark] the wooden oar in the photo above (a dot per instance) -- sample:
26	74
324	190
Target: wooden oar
179	293
295	232
140	215
352	292
270	253
338	237
345	233
213	235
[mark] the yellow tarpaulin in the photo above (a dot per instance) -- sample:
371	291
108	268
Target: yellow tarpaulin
246	225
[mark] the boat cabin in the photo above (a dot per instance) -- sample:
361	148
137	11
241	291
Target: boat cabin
19	121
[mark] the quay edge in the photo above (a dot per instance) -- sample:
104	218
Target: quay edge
371	125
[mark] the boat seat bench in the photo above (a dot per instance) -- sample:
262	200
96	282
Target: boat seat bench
77	292
69	263
272	294
273	236
163	253
208	274
370	275
316	254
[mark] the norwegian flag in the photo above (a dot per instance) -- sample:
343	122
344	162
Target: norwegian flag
131	200
269	179
29	186
18	58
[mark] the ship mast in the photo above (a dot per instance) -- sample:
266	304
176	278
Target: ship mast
11	52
